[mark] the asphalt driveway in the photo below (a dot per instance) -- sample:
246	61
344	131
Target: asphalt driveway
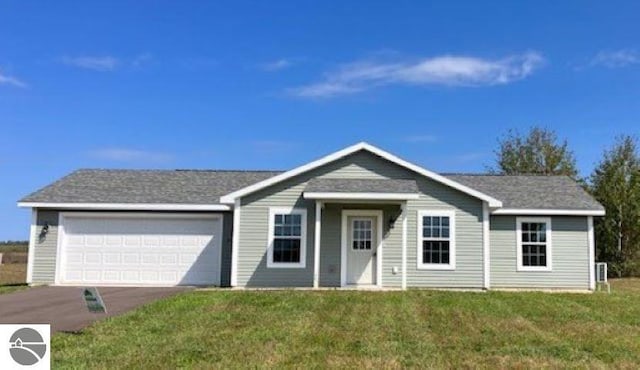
64	307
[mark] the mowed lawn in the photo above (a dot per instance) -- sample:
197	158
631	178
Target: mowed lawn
366	329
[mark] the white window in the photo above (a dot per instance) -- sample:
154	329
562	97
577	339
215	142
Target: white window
533	243
436	240
287	238
362	238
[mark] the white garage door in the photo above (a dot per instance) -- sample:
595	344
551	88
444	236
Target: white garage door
139	249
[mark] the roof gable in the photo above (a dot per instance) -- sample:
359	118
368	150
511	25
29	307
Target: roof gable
232	197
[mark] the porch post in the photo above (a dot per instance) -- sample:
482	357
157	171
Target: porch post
316	246
485	245
404	245
592	253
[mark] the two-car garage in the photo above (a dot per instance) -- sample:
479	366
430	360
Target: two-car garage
133	248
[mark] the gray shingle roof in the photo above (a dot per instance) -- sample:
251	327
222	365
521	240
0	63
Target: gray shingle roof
206	187
361	186
146	186
531	191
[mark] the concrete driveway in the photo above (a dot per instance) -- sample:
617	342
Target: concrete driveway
64	307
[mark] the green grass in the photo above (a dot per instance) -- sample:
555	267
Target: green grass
366	329
11	288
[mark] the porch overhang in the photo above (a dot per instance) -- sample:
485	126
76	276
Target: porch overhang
327	196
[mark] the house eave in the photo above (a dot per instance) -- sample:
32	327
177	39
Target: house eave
547	212
127	206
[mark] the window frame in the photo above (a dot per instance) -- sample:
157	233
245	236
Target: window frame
452	240
371	238
273	211
519	243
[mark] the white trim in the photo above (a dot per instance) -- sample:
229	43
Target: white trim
129	206
360	196
273	211
229	198
404	244
63	216
549	244
486	245
117	214
546	212
344	241
57	280
316	245
592	252
235	243
452	240
32	244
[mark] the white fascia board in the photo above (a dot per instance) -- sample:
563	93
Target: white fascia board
360	196
128	206
547	212
229	198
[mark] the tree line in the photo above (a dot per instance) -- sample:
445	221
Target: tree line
614	182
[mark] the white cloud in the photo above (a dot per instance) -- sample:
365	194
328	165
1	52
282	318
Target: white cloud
12	81
130	155
616	58
96	63
276	65
448	70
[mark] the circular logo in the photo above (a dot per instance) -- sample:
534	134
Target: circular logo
27	346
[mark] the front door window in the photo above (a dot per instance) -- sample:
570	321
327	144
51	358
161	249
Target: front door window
361	234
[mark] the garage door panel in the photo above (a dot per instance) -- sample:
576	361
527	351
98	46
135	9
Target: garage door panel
93	258
139	250
111	258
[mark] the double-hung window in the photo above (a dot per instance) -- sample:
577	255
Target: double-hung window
533	243
436	240
287	238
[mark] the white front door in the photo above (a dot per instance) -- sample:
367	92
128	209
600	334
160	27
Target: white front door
361	249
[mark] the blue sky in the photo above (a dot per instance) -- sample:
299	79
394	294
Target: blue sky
270	85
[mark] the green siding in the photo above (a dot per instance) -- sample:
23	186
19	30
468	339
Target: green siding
252	253
330	241
469	259
570	259
254	223
45	249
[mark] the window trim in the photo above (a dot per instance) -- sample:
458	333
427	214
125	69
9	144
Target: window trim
549	244
452	240
273	211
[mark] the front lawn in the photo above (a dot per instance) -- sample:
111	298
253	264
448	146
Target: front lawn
366	329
